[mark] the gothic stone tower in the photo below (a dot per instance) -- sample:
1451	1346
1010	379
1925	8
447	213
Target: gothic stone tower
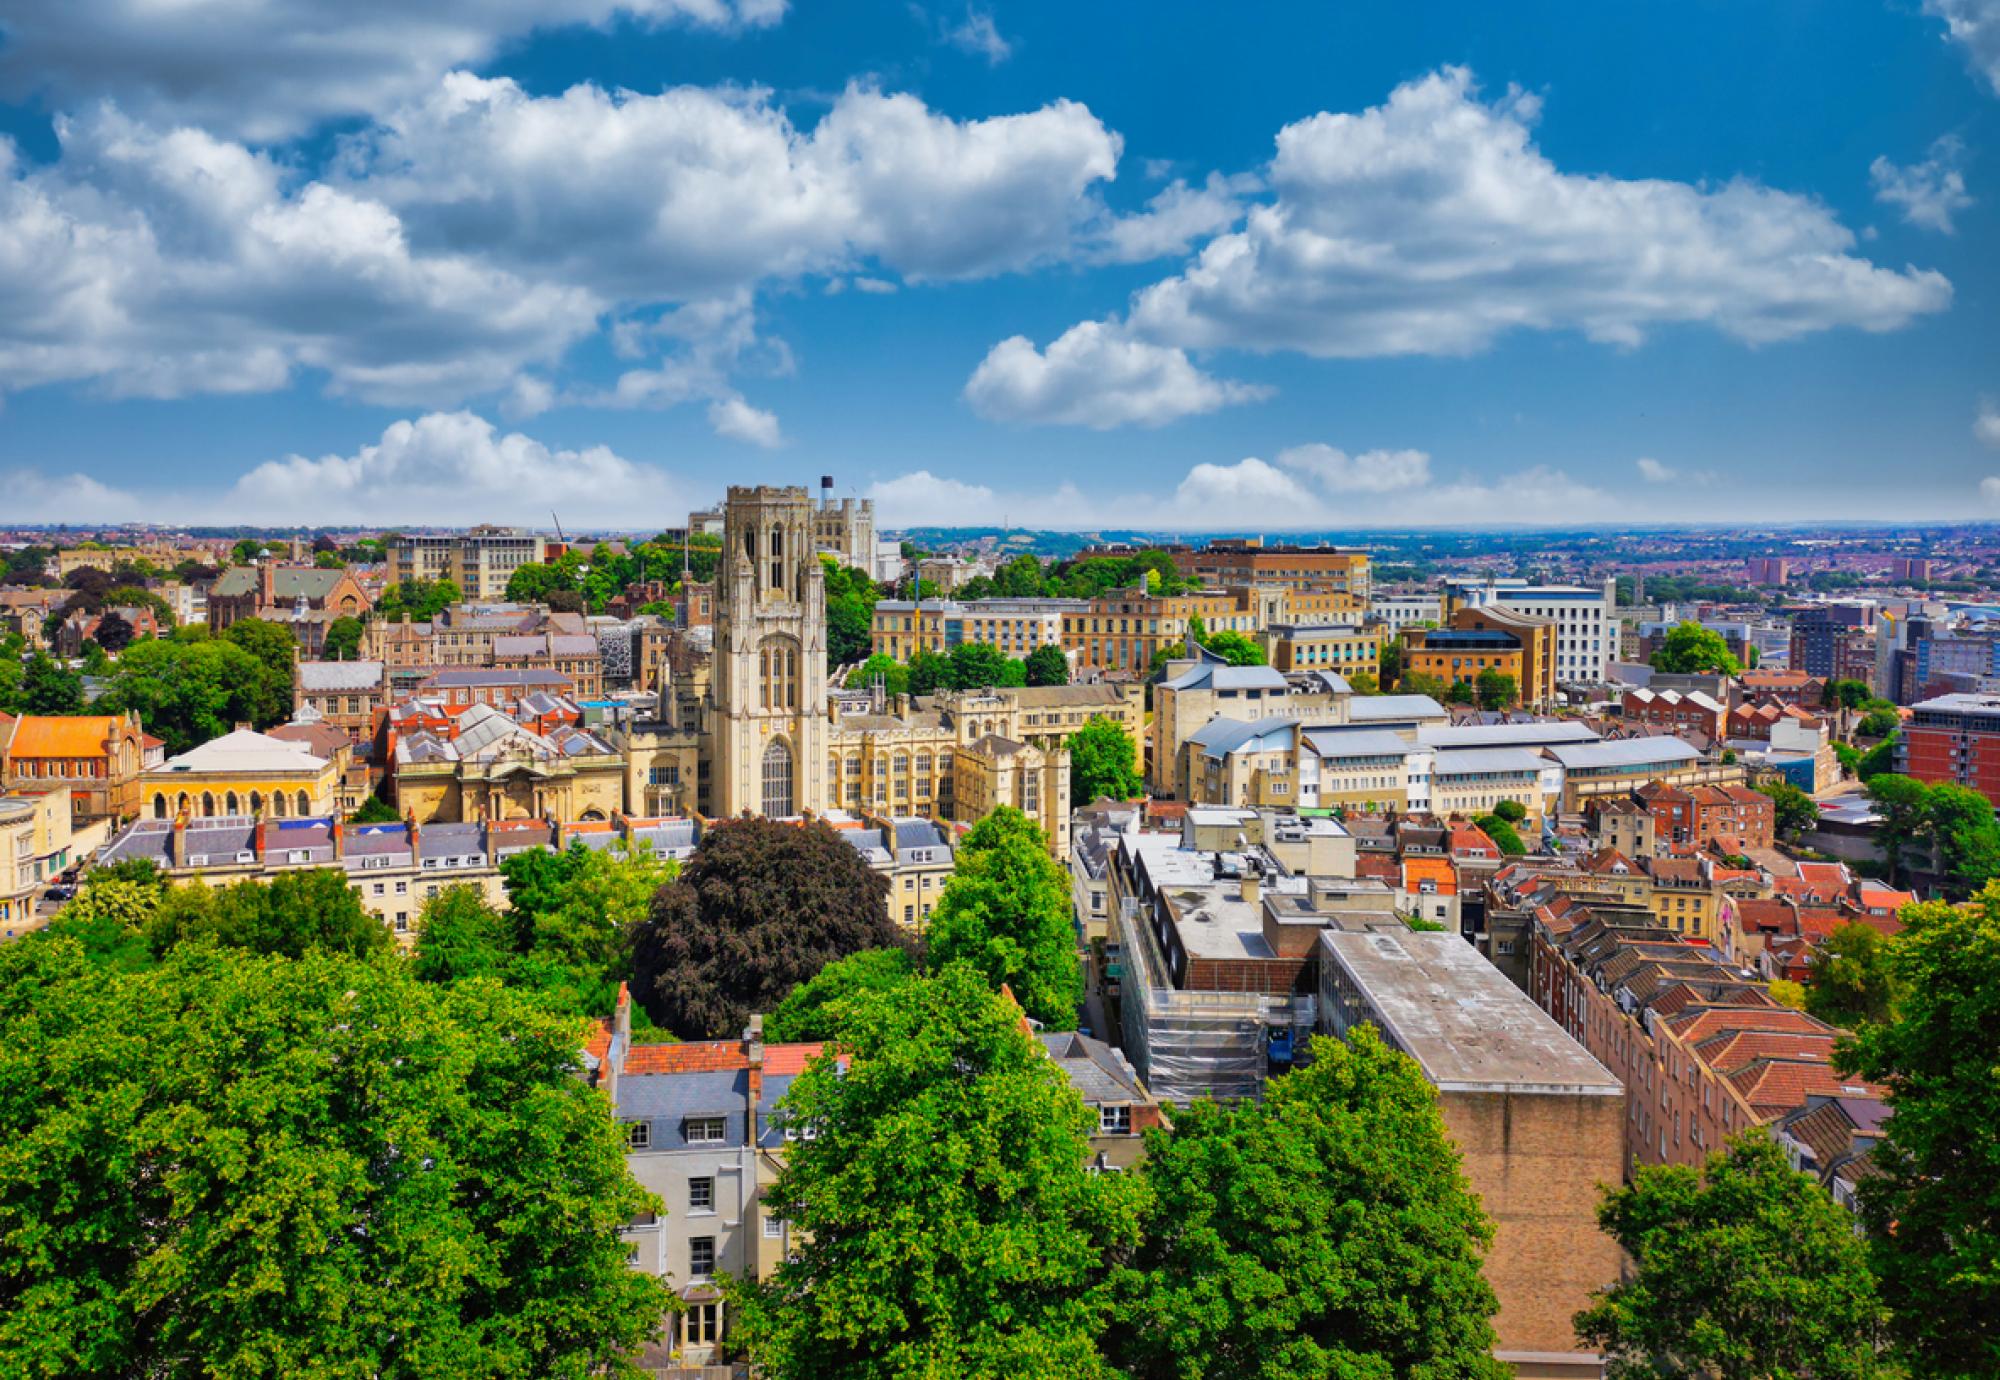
768	718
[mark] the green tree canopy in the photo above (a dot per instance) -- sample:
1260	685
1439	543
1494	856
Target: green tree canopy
274	647
253	1166
1745	1270
1504	835
422	600
460	935
1324	1233
1047	665
375	810
948	1225
187	691
816	1008
343	640
1006	910
931	671
1103	762
1793	811
49	687
1496	689
978	665
1933	1205
1847	694
895	676
1690	648
1850	979
292	913
573	914
1234	648
761	907
1513	811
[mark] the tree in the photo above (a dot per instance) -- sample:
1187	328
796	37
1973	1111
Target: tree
113	633
1512	811
292	914
1326	1232
1847	694
761	907
1903	809
275	649
1420	683
1878	759
1234	648
1793	811
1006	910
255	1166
1461	692
96	662
978	665
1388	664
566	601
895	676
572	915
422	600
1505	837
534	582
246	550
343	640
49	687
1965	835
107	917
1745	1269
817	1008
1048	666
1363	683
459	935
848	631
929	672
1932	1204
1878	723
1850	979
1690	648
1496	689
1103	762
946	1220
186	689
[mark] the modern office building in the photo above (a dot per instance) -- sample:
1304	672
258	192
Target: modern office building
1585	616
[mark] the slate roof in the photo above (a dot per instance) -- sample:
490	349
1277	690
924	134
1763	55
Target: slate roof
1392	708
246	750
322	676
288	582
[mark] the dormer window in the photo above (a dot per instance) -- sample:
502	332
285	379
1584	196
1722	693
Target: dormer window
704	1130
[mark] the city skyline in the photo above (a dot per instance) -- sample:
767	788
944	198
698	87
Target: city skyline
1283	271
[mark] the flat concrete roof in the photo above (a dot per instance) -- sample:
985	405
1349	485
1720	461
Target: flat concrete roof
1466	1025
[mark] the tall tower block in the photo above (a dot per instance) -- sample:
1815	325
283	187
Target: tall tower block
769	689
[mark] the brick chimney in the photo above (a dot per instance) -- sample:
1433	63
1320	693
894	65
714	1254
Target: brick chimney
257	837
267	583
177	842
416	833
339	838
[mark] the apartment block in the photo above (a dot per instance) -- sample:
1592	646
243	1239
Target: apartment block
1585	617
1250	562
1954	738
479	561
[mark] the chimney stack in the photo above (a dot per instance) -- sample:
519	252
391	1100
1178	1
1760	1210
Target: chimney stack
267	583
177	846
753	1054
339	838
1247	886
257	837
416	833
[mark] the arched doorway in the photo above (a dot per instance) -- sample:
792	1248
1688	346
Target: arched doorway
777	778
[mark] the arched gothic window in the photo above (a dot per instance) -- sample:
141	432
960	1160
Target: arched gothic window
777	778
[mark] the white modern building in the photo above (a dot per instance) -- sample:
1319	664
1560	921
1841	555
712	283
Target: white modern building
1586	619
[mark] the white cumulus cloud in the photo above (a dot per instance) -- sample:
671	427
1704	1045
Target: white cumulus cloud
1372	471
1432	224
269	69
1653	472
1986	426
34	496
739	421
1975	25
1094	375
1931	192
696	193
457	464
160	265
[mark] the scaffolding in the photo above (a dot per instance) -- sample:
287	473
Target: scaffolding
1185	1044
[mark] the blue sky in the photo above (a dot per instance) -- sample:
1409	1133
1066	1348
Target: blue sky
1081	265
